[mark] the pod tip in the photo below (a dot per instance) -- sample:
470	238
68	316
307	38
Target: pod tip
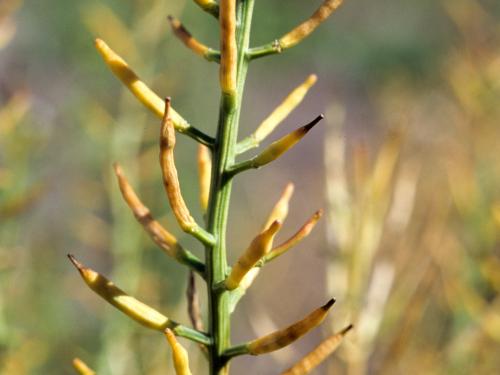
313	122
75	262
346	329
329	304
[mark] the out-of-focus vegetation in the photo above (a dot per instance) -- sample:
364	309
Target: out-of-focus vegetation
412	91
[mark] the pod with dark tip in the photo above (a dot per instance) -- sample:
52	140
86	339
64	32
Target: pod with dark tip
135	309
279	339
275	149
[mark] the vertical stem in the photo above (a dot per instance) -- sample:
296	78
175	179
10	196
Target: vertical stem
223	156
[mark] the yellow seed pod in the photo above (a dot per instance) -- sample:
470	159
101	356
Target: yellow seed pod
186	37
228	59
209	6
276	149
82	368
284	109
135	309
307	27
280	209
279	339
259	247
204	174
179	354
169	172
164	239
318	354
303	232
138	88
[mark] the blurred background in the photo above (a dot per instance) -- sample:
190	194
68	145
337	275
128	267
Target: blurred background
407	166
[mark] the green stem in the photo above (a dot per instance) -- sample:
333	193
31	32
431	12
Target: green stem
192	334
224	152
267	49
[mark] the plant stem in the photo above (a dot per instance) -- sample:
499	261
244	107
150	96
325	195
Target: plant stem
224	152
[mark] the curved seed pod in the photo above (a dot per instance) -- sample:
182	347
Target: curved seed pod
179	354
307	27
285	337
169	172
228	59
284	109
164	239
186	37
82	368
303	232
319	354
280	209
138	88
276	149
140	312
259	247
204	174
209	6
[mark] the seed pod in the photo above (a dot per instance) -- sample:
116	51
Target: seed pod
138	88
284	109
140	312
169	172
307	27
209	6
179	354
303	232
228	59
280	209
186	37
164	239
205	175
82	368
319	354
259	247
285	337
276	149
